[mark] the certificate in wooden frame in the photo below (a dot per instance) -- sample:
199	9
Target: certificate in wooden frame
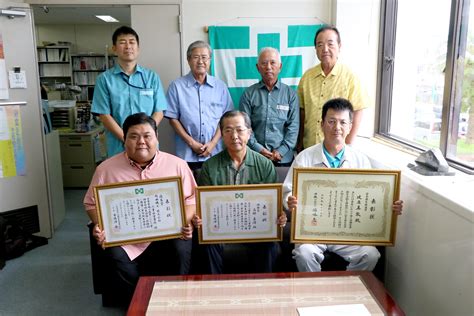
345	206
239	213
140	211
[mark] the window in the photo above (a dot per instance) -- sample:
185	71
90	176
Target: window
426	83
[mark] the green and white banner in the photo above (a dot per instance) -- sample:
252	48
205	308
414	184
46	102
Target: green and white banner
236	48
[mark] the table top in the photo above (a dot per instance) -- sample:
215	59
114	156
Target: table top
144	289
71	132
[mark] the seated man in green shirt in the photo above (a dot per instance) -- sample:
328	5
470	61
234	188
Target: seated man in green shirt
235	165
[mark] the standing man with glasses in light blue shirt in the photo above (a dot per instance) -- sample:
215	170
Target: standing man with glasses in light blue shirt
196	103
126	89
273	107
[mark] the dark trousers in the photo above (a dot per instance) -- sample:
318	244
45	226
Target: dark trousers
282	164
262	257
195	165
195	168
165	257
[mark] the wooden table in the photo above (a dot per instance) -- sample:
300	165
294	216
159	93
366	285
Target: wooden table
144	289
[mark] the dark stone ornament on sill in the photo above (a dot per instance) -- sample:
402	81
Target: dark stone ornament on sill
431	163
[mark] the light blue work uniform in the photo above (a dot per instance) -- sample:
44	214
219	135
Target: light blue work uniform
120	95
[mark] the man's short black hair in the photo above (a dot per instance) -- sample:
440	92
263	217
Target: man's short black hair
124	30
235	113
137	119
326	27
338	105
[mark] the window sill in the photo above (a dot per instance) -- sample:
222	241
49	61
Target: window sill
453	192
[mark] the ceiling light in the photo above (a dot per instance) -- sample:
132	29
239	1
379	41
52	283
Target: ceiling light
107	18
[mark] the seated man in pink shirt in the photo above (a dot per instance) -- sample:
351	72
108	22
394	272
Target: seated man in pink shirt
142	160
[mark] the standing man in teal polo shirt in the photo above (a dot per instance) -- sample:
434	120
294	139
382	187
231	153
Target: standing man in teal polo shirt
273	107
126	89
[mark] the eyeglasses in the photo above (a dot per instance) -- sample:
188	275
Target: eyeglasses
343	123
204	58
230	131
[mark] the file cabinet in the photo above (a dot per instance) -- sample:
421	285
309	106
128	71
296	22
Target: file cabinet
80	153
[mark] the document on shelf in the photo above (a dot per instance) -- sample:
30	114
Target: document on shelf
334	310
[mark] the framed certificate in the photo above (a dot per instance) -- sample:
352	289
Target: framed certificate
345	206
140	211
239	213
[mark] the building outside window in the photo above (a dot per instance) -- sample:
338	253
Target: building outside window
426	85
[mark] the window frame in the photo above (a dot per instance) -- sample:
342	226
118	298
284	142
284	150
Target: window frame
458	26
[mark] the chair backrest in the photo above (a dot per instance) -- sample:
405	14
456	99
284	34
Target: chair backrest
281	173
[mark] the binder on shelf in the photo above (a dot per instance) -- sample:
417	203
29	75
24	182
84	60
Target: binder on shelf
63	56
54	64
53	54
85	70
42	57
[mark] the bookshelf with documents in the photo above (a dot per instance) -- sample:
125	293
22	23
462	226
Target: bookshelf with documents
54	63
86	68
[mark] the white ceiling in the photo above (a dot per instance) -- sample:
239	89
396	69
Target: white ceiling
80	14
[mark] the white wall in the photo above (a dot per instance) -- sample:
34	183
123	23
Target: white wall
358	22
430	270
78	35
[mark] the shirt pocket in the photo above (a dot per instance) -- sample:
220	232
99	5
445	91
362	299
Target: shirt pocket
146	101
217	109
281	112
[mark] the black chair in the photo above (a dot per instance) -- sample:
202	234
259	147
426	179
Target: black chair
99	270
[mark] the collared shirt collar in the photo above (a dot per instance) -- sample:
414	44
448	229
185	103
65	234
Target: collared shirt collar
191	81
336	70
117	69
248	161
334	162
135	164
262	85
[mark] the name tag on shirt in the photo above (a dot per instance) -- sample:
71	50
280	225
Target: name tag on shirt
283	107
146	92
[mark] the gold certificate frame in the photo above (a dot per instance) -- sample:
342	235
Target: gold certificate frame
239	213
345	206
140	211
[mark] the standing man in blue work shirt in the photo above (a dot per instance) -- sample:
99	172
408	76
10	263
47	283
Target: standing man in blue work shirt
196	103
126	89
273	107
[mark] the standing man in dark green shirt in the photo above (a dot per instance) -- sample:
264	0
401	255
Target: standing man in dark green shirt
273	107
235	165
